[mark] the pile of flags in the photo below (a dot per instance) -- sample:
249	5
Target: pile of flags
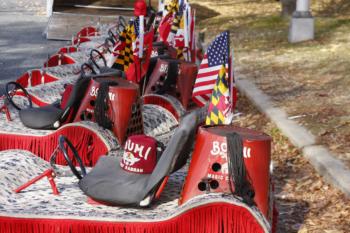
174	26
135	47
176	29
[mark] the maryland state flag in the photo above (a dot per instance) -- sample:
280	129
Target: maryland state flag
125	56
139	67
176	36
172	7
220	110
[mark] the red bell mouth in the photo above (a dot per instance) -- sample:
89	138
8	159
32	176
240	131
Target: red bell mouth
208	171
122	107
173	77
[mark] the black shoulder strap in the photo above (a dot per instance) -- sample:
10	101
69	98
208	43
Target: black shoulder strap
237	169
101	105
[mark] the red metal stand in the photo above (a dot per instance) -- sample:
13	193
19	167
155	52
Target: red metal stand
49	173
5	109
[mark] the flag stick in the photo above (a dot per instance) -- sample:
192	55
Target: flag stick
164	10
186	30
160	5
189	21
232	83
141	36
193	36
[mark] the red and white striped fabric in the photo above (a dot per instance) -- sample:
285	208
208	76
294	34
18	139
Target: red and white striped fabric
136	47
205	82
216	55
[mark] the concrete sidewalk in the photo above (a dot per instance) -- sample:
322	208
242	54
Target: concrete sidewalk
22	43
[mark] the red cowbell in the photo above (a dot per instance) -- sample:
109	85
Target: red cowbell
208	170
183	85
124	108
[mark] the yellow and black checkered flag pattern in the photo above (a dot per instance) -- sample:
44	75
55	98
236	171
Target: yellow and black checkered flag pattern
178	23
126	57
217	100
172	7
180	54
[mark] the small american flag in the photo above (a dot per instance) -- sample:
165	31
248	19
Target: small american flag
136	39
136	47
137	26
216	55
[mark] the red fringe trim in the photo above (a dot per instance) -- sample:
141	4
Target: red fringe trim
210	218
88	144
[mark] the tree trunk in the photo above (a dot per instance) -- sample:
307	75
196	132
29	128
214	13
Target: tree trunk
288	7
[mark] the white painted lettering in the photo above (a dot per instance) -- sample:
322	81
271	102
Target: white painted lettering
139	149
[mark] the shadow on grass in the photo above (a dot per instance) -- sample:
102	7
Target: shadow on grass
292	209
335	7
265	32
204	13
250	31
326	26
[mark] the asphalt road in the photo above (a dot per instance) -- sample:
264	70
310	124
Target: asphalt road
23	45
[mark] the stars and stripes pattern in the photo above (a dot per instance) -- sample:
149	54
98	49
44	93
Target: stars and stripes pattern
136	47
137	26
220	109
135	39
216	55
